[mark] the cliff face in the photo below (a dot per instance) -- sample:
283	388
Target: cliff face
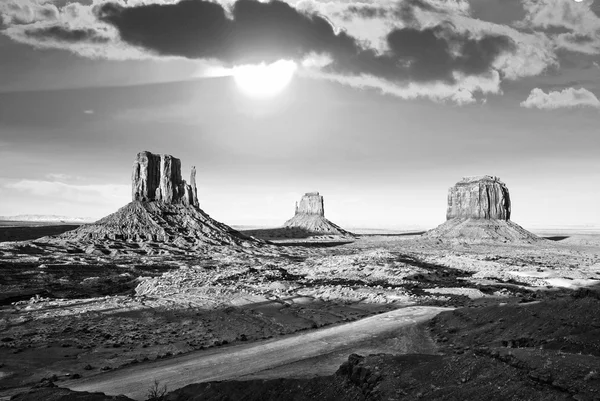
158	178
482	197
312	204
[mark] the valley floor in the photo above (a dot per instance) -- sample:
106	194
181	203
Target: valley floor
68	319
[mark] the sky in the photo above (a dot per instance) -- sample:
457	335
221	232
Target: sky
389	104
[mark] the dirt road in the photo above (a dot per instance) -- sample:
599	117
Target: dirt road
249	359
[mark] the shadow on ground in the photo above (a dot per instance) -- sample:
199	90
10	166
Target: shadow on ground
25	233
557	237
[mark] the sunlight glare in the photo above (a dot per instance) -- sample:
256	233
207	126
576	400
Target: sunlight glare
264	80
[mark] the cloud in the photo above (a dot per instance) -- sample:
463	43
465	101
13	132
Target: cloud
573	15
567	98
73	27
252	31
403	10
65	34
578	18
462	92
59	176
15	12
399	47
59	191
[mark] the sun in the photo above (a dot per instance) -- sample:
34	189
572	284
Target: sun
264	80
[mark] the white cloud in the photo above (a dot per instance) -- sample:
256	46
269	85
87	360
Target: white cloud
27	11
567	98
570	14
58	176
56	190
28	22
575	16
462	92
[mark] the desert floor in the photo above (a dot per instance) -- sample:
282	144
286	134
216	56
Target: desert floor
79	320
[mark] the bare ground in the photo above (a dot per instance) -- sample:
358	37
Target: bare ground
84	314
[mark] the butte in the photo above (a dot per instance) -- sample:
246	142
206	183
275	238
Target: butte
479	210
164	211
310	217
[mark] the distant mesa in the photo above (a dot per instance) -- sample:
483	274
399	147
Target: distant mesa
164	209
479	209
310	217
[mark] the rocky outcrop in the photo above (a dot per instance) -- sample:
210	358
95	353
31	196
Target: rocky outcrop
311	204
479	210
158	178
480	197
310	218
164	210
157	221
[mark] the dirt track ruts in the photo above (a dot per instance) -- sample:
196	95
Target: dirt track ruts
244	359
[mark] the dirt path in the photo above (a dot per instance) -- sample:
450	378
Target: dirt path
248	359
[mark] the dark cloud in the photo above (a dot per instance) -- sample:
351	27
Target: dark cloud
254	31
579	39
193	29
405	10
365	11
435	53
201	29
63	34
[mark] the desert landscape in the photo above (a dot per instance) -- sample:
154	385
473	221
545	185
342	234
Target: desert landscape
308	200
160	296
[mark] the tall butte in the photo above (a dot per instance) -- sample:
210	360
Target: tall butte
310	217
479	209
164	209
158	178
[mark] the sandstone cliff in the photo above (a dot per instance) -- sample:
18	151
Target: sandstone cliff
158	178
310	217
482	197
479	210
311	203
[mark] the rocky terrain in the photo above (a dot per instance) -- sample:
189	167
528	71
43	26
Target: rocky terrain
160	280
83	314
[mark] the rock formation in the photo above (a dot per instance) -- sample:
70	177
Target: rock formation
311	203
164	209
310	217
158	178
481	197
479	210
